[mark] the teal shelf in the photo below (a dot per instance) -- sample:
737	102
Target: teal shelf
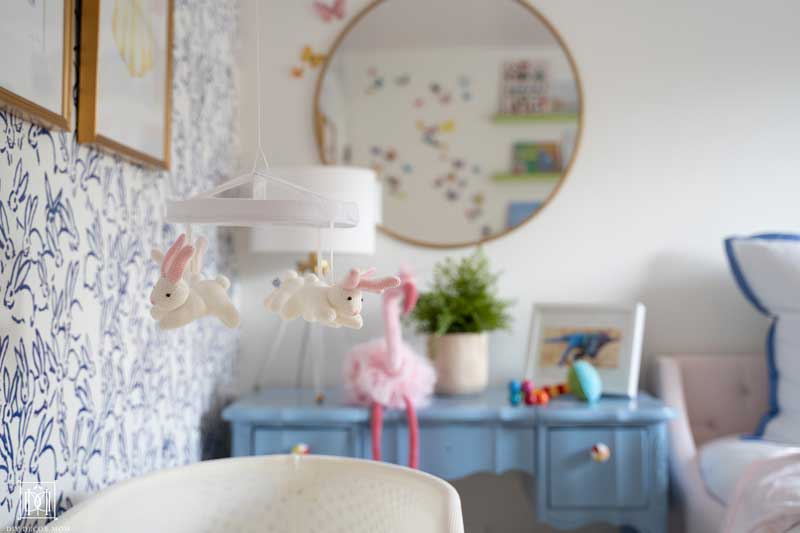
535	117
528	176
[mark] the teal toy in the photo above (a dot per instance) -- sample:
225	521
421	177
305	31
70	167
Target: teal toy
584	381
514	392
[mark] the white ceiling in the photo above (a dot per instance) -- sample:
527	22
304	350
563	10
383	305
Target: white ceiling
404	24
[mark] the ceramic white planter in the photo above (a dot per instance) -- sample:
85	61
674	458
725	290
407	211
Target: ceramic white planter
461	361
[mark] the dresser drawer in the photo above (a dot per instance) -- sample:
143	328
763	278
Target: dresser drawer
575	480
330	440
452	451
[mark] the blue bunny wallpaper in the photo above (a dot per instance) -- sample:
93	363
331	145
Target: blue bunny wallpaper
92	392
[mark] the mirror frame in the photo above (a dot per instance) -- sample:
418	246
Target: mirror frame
318	125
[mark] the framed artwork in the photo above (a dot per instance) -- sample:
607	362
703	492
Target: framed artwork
36	63
607	336
125	89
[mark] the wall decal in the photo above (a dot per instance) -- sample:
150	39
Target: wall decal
473	213
375	80
385	163
430	132
311	58
329	12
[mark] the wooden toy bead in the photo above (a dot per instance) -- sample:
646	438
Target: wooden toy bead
516	398
530	397
542	397
534	396
527	385
514	392
556	390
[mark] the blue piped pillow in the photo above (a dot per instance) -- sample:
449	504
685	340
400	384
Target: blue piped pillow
767	269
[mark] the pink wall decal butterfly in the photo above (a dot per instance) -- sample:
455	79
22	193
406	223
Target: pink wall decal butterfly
329	12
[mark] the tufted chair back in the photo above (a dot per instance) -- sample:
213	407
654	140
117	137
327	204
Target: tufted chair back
724	394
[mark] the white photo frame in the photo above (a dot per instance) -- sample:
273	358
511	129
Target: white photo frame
608	336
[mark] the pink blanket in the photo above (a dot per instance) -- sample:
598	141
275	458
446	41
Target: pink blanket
767	497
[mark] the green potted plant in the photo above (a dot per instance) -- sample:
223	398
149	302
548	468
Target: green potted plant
457	314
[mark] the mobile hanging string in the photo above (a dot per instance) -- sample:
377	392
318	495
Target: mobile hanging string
258	91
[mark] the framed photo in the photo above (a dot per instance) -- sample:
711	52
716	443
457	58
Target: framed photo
125	89
607	336
36	63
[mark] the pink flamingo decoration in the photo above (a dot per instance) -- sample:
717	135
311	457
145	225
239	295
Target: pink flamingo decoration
387	372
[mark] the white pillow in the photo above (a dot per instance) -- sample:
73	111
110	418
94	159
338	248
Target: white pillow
767	269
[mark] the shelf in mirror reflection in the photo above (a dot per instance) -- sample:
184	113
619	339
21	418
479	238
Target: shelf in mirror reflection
527	176
501	118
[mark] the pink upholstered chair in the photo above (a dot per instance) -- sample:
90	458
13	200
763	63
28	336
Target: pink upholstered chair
713	396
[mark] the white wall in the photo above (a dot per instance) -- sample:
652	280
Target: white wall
692	123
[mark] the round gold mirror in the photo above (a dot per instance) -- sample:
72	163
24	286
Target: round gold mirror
469	111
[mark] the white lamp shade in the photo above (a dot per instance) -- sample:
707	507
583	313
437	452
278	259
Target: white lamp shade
349	184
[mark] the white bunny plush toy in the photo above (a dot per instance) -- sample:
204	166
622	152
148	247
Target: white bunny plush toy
332	305
179	299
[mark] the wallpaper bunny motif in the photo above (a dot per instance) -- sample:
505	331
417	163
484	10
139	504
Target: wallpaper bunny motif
91	391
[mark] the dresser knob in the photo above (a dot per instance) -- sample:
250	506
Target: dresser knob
600	453
301	448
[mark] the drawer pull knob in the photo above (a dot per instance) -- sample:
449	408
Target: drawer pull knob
600	453
301	448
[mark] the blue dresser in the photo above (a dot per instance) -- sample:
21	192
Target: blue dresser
465	435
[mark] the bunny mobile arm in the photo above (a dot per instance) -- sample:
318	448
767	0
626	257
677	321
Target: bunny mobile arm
331	305
179	298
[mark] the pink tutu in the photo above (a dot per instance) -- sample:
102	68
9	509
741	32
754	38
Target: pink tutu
368	378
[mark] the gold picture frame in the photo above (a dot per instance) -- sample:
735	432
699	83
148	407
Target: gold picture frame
319	124
35	112
88	89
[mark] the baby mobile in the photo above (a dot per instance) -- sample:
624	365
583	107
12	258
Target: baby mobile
182	295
